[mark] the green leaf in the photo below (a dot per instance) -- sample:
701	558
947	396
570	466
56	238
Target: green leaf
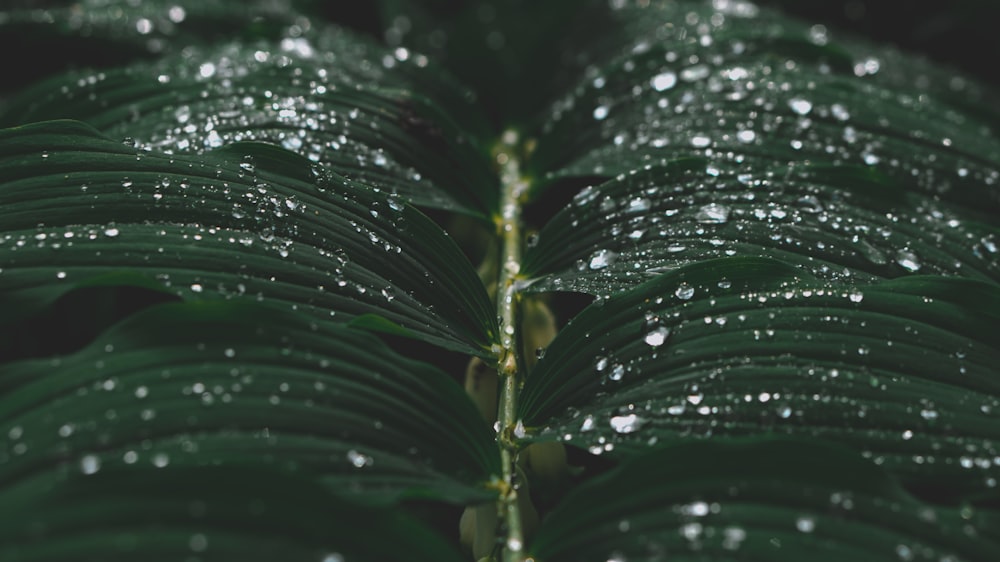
219	513
789	235
838	222
509	51
352	106
902	371
249	221
761	84
240	384
754	500
110	32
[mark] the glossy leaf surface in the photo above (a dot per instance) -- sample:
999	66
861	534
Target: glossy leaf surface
368	113
755	500
249	221
730	80
212	513
903	371
240	384
839	222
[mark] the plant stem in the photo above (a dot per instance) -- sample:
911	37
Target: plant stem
514	187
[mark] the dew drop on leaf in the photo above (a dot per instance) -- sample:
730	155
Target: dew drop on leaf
663	81
602	258
198	542
656	337
90	464
684	292
161	460
627	424
908	260
359	460
800	106
712	213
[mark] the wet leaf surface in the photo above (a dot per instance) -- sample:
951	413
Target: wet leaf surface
901	371
250	221
237	384
223	513
756	500
371	114
839	222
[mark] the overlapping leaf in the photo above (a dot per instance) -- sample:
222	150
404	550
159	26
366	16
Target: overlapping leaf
250	221
836	221
216	513
728	80
374	115
903	371
756	500
241	384
730	131
108	32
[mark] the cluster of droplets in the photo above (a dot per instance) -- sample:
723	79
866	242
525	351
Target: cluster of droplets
805	394
708	84
657	219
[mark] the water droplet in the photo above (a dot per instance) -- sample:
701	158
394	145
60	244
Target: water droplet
627	424
514	544
198	542
656	337
602	258
856	296
696	72
839	112
800	106
359	460
600	112
908	260
111	232
664	81
700	141
161	460
805	524
732	537
746	136
89	464
333	557
638	205
712	213
684	291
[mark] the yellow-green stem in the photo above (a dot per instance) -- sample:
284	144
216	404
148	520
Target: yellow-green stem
508	222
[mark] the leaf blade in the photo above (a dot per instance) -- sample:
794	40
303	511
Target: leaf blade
317	244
